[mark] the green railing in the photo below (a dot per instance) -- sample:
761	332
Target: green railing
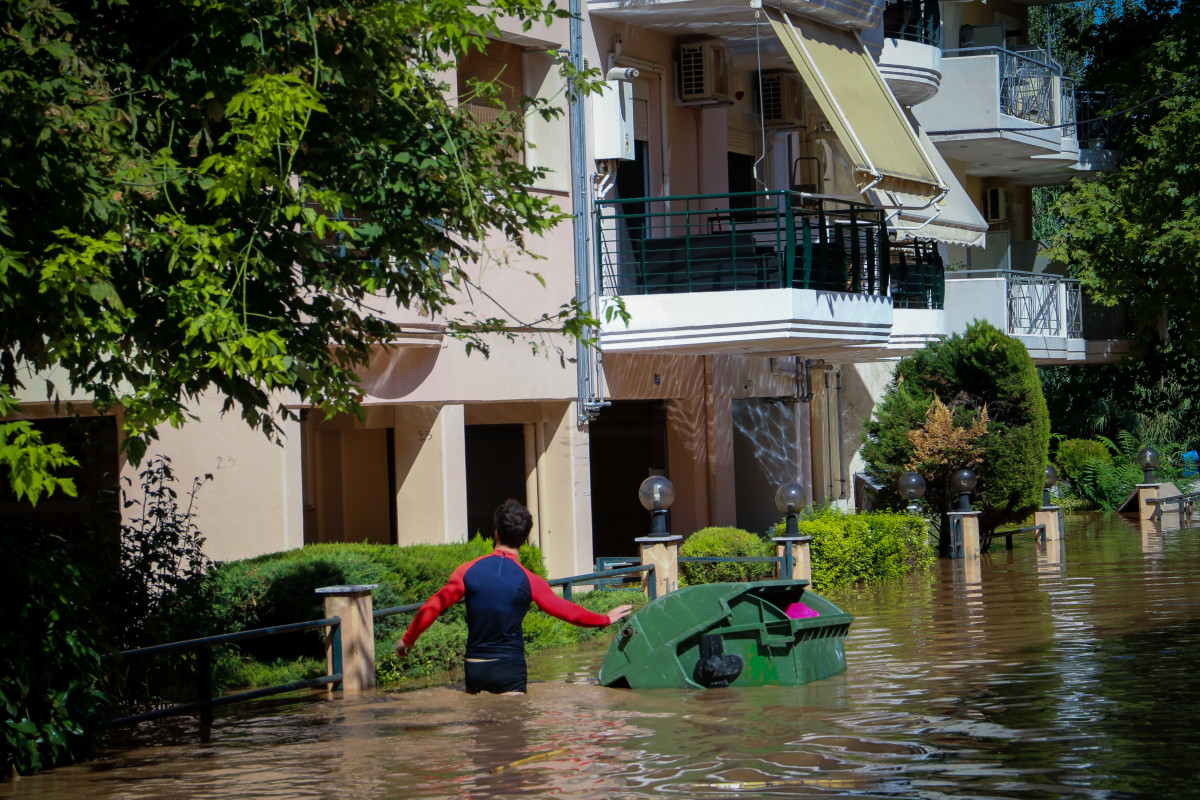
747	240
918	275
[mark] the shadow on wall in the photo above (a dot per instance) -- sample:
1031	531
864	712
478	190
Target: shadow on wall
399	372
765	456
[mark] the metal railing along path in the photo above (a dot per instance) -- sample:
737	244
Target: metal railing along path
205	702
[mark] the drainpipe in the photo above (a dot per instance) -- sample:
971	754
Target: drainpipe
586	371
710	439
837	375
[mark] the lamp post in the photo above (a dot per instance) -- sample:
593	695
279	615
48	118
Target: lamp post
912	488
1147	459
656	495
792	547
1051	479
962	483
788	498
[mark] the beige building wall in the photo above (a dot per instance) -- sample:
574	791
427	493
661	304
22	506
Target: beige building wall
252	504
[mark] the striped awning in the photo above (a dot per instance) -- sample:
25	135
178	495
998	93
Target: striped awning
871	127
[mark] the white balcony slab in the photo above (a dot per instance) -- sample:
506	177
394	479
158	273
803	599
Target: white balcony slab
760	321
912	70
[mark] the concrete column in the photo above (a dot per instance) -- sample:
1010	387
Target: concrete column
532	499
356	657
565	490
1048	516
431	474
663	553
687	454
801	557
1147	492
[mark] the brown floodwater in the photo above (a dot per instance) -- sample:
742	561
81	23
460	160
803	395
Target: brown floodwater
1062	672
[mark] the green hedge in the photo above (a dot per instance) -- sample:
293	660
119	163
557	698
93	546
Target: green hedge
279	588
850	548
1074	454
715	542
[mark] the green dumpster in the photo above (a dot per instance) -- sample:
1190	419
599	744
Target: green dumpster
729	634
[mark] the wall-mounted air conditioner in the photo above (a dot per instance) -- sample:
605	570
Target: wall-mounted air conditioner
782	99
705	74
998	207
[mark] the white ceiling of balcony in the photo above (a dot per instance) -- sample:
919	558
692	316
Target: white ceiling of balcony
720	19
1022	158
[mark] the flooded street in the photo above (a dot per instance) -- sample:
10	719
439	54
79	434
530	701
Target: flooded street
1059	674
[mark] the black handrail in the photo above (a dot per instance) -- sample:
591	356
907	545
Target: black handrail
1008	535
205	702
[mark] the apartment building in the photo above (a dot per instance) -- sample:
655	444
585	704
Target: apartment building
785	196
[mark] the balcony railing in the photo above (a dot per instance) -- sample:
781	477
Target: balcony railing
914	21
748	240
1038	304
918	275
1031	86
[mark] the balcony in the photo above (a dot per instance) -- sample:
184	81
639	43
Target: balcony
1048	313
911	61
760	272
1003	112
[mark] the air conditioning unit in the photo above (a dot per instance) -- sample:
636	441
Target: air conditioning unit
999	205
705	74
782	99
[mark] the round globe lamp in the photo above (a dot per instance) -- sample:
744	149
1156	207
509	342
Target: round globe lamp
656	494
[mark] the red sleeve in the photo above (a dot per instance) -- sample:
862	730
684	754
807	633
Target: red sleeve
445	597
555	606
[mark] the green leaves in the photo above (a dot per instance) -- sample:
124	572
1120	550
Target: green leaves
244	205
1134	236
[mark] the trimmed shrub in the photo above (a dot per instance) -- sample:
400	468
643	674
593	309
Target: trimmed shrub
279	588
1073	454
716	542
853	548
981	368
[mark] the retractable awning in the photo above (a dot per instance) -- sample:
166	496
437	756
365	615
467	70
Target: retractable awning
954	220
870	125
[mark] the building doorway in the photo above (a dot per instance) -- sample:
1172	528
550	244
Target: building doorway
496	471
627	443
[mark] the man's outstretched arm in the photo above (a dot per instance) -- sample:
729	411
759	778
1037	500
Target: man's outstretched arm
565	610
448	595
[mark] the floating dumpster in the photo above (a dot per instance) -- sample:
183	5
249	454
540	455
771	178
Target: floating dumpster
763	633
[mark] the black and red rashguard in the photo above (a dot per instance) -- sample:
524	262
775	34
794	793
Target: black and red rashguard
498	591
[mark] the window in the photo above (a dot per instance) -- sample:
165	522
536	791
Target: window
501	63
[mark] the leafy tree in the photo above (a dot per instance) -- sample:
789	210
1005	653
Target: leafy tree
981	370
204	196
1135	235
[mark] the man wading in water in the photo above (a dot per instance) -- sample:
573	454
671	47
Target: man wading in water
498	591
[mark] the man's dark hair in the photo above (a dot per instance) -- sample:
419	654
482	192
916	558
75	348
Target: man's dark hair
513	522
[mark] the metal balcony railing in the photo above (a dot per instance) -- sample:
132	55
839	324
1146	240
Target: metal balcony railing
748	240
914	21
1031	85
918	275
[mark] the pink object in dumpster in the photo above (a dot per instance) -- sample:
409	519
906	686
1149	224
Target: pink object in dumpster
800	611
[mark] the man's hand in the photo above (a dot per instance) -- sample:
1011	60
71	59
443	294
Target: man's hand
403	648
619	613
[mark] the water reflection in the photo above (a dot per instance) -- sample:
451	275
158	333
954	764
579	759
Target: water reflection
1048	676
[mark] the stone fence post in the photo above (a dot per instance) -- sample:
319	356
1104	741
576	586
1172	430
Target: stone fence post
1145	493
356	657
796	553
663	553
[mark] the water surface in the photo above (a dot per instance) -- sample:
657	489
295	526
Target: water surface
1063	672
